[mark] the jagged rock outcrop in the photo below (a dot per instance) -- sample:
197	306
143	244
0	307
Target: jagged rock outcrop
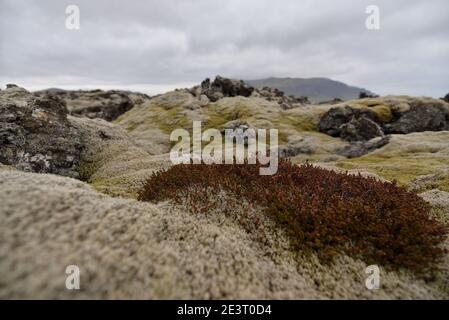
222	87
350	124
364	94
360	129
35	134
377	117
107	105
420	117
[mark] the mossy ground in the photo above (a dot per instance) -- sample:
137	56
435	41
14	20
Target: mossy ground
407	158
260	113
383	111
402	169
404	161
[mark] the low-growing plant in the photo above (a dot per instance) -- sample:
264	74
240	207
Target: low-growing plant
322	211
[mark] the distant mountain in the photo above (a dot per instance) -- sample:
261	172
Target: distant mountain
317	89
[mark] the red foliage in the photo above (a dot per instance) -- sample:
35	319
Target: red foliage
321	210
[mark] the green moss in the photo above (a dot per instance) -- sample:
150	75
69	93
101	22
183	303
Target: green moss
115	187
382	111
311	158
441	183
132	126
402	168
297	121
217	115
168	120
282	137
87	169
125	115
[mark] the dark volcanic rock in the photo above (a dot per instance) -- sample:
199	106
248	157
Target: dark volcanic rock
420	117
364	94
115	105
360	129
406	115
446	98
35	134
360	148
224	87
107	105
351	124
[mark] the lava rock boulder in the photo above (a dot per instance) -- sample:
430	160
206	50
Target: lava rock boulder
107	105
224	87
35	134
420	117
350	124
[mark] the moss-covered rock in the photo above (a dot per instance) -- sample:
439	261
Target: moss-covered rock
408	158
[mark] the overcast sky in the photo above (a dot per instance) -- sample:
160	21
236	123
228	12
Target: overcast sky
154	46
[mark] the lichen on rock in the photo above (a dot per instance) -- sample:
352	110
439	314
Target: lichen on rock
35	134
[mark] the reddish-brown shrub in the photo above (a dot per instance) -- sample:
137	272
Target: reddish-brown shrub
321	210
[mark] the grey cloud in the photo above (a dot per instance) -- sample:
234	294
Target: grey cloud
125	43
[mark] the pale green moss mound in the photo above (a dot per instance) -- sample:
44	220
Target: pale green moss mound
419	160
111	162
150	124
